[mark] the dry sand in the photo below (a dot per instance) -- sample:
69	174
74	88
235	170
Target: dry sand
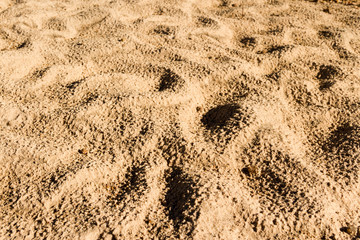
186	119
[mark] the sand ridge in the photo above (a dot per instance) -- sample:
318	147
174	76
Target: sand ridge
190	119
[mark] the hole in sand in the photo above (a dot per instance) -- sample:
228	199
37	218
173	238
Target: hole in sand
219	116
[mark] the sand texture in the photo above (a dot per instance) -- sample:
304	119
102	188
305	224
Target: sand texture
179	119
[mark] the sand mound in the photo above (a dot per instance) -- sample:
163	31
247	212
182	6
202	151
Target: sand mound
190	119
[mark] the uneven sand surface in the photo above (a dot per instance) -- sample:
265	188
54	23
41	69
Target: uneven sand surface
186	119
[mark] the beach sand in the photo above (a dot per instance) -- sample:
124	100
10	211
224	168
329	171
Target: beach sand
186	119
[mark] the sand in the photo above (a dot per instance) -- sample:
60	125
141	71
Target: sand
187	119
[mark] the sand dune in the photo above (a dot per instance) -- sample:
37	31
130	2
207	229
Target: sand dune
188	119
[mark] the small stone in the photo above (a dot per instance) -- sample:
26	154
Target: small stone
351	230
250	171
83	151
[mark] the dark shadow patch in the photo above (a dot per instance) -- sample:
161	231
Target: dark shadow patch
135	179
326	10
223	122
206	22
71	86
180	200
351	230
220	116
326	85
170	81
250	171
343	139
327	72
24	44
248	41
134	185
343	158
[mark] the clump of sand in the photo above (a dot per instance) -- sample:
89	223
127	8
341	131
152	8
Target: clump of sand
190	119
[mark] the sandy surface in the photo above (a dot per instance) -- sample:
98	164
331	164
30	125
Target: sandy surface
187	119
